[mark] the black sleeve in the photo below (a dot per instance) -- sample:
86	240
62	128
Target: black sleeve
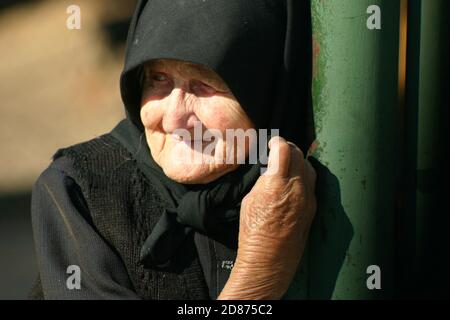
66	241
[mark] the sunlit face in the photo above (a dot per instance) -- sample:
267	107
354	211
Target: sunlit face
178	95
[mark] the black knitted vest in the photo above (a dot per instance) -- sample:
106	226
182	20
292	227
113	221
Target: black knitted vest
124	207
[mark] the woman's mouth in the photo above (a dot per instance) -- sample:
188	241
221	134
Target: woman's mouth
189	141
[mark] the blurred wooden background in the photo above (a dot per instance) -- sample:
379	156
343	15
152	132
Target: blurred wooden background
57	87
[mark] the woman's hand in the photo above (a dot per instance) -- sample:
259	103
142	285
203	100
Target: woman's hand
274	223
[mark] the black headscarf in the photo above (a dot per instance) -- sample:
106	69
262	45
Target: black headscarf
254	46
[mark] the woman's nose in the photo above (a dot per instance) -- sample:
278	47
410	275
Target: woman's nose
179	113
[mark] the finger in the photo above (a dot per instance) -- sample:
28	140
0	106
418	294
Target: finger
279	157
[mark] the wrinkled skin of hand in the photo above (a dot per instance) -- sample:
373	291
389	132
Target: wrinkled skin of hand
274	224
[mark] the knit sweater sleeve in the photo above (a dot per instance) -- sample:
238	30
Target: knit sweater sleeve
74	261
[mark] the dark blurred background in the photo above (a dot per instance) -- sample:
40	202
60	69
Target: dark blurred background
58	87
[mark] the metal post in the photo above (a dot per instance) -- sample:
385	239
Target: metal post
355	103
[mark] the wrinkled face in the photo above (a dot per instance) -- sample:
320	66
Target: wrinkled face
178	99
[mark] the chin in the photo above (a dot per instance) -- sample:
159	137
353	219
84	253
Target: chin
195	174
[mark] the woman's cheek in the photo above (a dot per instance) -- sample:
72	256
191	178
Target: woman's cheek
218	114
150	116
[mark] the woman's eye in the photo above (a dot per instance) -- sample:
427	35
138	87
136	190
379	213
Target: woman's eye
203	89
159	77
158	85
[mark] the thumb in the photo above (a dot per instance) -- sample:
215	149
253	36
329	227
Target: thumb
279	157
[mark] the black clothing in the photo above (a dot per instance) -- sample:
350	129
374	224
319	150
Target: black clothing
94	208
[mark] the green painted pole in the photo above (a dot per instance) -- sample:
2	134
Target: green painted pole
355	106
428	66
428	116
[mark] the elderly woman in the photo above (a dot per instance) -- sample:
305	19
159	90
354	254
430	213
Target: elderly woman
129	215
